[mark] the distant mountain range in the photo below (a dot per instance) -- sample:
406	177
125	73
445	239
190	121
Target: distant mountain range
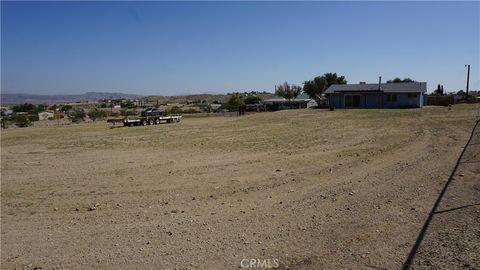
38	99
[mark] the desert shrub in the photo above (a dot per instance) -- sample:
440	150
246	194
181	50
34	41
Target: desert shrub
127	104
173	110
66	108
21	121
78	116
208	108
33	117
97	114
132	112
126	112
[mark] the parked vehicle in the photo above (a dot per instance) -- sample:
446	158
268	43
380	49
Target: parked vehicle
151	120
150	116
151	112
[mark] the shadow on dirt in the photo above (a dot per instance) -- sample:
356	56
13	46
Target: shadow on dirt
408	262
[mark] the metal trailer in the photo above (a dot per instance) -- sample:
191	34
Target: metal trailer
151	120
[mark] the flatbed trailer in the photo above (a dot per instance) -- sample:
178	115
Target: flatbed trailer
151	120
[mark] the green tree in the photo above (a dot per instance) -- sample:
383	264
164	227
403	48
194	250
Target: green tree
236	100
316	87
22	120
66	108
288	91
439	90
333	78
252	99
26	107
399	80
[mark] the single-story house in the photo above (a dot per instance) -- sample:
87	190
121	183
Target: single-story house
279	103
45	115
6	112
377	95
255	107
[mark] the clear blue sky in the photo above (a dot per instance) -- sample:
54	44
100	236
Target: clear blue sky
169	48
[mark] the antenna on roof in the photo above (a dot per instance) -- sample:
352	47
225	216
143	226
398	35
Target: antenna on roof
380	83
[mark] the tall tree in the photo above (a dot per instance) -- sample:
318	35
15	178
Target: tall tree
332	78
235	101
316	87
399	80
288	91
439	90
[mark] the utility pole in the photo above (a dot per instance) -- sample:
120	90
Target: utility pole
468	80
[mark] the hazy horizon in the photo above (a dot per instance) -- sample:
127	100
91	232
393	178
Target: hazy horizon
183	48
139	93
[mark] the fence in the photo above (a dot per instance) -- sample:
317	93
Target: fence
440	100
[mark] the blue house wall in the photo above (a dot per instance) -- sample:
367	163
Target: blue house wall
404	101
380	100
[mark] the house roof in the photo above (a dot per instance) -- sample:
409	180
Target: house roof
385	87
299	98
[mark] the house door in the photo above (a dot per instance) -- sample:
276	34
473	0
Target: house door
352	101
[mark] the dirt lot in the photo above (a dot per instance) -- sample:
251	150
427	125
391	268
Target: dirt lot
303	189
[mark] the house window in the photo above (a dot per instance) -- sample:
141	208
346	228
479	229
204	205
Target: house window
412	95
391	98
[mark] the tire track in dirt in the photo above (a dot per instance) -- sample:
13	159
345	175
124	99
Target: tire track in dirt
448	236
412	153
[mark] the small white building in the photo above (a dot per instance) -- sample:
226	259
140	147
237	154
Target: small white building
45	115
300	102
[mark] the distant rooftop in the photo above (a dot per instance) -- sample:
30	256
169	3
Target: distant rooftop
301	97
373	87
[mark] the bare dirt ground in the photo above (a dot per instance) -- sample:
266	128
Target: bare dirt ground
307	189
453	236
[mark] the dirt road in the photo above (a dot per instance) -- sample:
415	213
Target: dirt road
301	189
